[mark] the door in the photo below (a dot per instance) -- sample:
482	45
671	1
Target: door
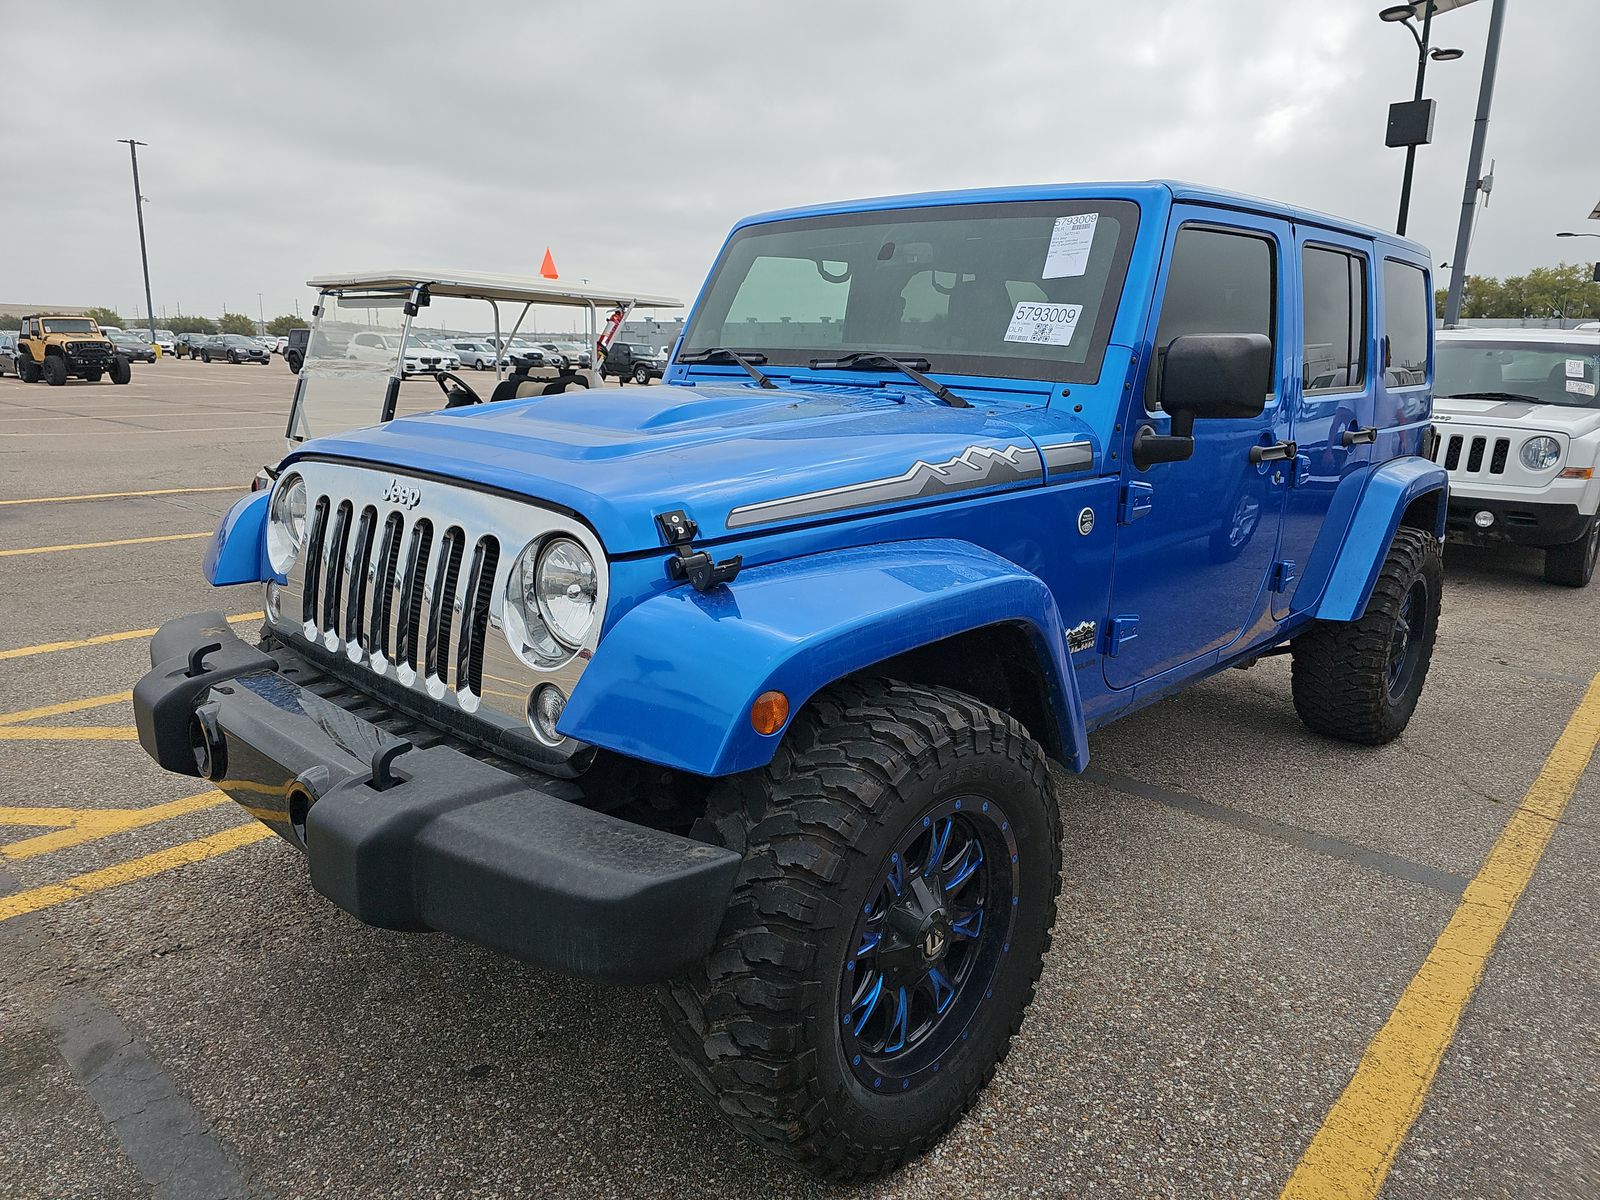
1192	568
1333	396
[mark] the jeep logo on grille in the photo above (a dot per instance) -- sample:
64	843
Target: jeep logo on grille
402	494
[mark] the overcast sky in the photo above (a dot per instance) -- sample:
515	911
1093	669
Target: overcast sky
303	138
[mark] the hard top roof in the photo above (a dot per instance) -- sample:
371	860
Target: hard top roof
1148	190
473	285
1490	333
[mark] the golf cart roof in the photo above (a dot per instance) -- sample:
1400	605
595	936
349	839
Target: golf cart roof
471	285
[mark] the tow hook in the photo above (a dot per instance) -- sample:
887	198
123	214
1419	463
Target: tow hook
678	529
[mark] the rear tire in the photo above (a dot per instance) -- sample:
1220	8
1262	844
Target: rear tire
822	930
1572	565
1359	681
121	371
27	370
55	370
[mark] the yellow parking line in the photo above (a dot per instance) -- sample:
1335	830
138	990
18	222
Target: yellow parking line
88	825
1353	1150
139	541
182	855
123	495
68	733
101	639
66	706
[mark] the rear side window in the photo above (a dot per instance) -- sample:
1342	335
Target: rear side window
1407	317
1219	282
1334	284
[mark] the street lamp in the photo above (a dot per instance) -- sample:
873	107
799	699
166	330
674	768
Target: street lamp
1411	124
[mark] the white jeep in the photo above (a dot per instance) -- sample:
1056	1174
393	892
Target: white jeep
1519	432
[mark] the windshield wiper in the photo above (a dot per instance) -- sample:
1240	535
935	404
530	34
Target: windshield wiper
720	354
912	368
1489	396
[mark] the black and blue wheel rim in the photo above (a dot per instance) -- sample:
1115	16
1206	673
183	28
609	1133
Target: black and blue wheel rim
928	941
1406	640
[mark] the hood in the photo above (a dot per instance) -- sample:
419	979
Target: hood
1525	416
737	459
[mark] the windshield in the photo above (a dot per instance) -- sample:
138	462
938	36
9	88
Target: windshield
1545	373
238	339
1024	290
69	325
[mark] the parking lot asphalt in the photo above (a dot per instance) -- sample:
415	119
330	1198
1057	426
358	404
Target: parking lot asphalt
1246	910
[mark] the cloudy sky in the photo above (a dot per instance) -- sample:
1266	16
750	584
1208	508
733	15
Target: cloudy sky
304	138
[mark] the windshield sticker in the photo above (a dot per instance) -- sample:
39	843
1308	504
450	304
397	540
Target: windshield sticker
1044	324
1579	387
1070	243
1574	368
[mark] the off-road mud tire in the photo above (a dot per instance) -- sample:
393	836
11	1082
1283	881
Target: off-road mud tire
55	370
756	1026
27	369
1341	679
121	370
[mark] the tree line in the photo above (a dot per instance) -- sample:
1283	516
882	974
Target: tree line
1545	292
227	323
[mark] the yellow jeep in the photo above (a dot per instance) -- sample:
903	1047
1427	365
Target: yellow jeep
56	348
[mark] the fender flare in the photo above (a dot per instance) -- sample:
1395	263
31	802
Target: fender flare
673	680
1391	489
237	551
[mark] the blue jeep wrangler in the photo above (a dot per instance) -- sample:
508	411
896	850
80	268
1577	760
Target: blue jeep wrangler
748	686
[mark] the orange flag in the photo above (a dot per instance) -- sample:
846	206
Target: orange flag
547	269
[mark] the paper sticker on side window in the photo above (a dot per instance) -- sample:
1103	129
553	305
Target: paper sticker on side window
1044	324
1574	368
1070	243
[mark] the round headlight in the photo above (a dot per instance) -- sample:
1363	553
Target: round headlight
1540	453
568	590
552	601
286	523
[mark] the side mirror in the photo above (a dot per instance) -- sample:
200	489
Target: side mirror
1212	376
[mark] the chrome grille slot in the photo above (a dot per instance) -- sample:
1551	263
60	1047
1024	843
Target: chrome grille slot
333	568
479	595
357	573
405	578
413	583
441	605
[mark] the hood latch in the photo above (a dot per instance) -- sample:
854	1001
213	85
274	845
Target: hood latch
678	530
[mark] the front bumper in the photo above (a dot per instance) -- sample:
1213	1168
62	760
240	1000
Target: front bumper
438	840
1515	521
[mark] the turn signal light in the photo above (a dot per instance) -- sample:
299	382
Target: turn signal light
1577	473
769	712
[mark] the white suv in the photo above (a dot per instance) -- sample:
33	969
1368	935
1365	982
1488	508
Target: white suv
1519	431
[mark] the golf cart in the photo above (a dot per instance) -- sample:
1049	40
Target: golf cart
343	386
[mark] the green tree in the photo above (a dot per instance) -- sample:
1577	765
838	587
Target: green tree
1568	290
192	325
104	316
236	323
280	326
10	322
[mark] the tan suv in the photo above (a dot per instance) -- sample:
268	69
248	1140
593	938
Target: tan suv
57	348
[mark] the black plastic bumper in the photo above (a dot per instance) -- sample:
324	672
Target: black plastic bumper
440	840
1515	522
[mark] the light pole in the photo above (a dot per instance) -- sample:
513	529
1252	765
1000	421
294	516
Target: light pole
1411	125
144	257
261	315
1480	134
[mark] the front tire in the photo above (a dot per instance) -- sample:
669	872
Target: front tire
1359	681
1572	565
55	371
902	859
641	375
121	370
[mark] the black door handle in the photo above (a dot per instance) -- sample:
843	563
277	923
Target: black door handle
1358	437
1277	452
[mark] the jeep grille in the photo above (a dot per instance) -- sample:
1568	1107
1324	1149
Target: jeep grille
405	578
1465	455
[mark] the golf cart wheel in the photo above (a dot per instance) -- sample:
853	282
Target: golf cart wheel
1572	565
55	370
901	865
1359	681
121	370
641	375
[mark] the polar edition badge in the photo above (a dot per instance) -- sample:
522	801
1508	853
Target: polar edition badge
1044	324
